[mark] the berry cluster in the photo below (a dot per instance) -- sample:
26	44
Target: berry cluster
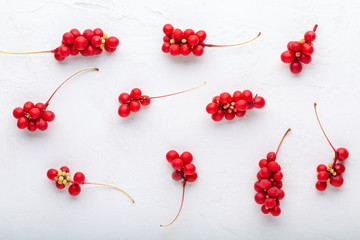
332	173
36	116
235	105
184	170
90	43
299	51
63	179
132	102
269	184
177	42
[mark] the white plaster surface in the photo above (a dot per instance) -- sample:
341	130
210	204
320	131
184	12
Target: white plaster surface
88	135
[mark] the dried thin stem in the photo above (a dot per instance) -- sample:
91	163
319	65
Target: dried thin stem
232	45
317	117
106	185
282	140
168	95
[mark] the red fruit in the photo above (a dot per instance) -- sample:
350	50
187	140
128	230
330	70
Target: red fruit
68	38
310	36
88	34
323	176
295	46
265	210
18	112
273	192
124	98
65	169
135	93
276	211
270	203
112	42
273	166
109	49
241	105
48	116
98	32
40	106
124	110
165	47
201	35
193	40
337	180
135	106
306	59
342	154
28	106
339	168
34	113
263	163
58	57
192	178
96	41
166	39
145	100
281	194
321	186
41	124
186	157
168	29
73	51
236	96
307	49
287	56
185	49
277	176
189	169
265	183
215	99
265	172
295	67
64	51
74	190
177	164
90	51
225	98
211	108
60	186
188	33
229	115
76	33
247	96
174	49
289	45
22	122
176	175
240	114
258	176
278	184
271	156
171	155
260	197
218	116
51	173
257	186
79	178
259	102
32	126
198	50
81	43
177	35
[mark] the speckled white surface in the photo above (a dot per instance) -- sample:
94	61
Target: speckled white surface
87	134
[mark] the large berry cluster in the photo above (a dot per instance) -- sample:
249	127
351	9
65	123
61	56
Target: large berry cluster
90	43
235	105
33	116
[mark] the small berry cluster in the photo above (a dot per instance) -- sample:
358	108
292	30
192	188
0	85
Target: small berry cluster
90	43
63	179
132	102
235	105
33	116
36	116
178	42
184	170
299	51
332	173
269	184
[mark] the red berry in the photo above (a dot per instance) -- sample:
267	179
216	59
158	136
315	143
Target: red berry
260	197
271	156
258	176
229	115
218	116
41	124
135	93
225	98
28	106
96	41
174	49
76	33
176	175
240	114
321	186
295	67
177	34
109	49
124	110
177	164
307	49
79	178
51	173
98	32
81	43
90	51
88	34
201	35
337	180
135	106
323	176
265	210
59	186
211	108
198	50
165	47
166	39
34	113
281	194
58	57
273	166
289	45
188	33
277	176
273	192
64	51
236	96
192	178
124	98
145	100
48	116
40	106
168	29
263	163
306	59
74	190
22	122
270	203
18	112
295	46
68	38
241	105
112	42
321	167
265	172
259	102
186	157
287	56
342	154
265	183
65	169
32	126
215	99
276	211
73	50
189	169
339	168
171	155
278	184
247	96
185	49
257	186
193	40
310	36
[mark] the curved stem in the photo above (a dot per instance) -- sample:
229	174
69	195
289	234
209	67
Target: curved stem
168	95
317	117
18	53
106	185
315	27
232	45
282	140
87	69
182	201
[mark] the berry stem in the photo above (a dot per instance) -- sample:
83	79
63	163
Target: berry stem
106	185
282	140
168	95
18	53
87	69
324	131
232	45
182	201
315	27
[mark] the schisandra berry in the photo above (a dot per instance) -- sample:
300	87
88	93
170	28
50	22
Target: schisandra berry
229	106
268	187
37	116
332	173
299	52
177	42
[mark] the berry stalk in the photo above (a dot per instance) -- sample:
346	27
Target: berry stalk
232	45
106	185
172	94
282	140
21	53
182	201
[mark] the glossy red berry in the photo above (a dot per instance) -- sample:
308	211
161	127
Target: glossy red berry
189	169
171	155
176	175
192	177
307	49
177	164
287	57
168	29
295	67
79	178
337	180
74	190
124	110
98	32
198	50
112	42
260	197
201	35
193	40
186	157
68	38
188	33
323	176
342	154
177	35
81	43
270	203
310	36
52	173
136	93
174	49
321	186
271	156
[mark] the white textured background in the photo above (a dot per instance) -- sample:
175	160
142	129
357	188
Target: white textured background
88	135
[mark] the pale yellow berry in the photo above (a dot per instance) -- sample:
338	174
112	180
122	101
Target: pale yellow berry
103	40
59	173
64	182
68	178
67	174
101	46
61	178
172	41
334	173
330	165
328	180
64	174
59	182
183	40
332	170
105	35
302	41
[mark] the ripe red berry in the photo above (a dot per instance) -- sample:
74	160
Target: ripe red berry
265	210
171	155
337	180
64	51
198	50
51	173
74	189
276	211
166	47
65	169
88	34
273	166
174	49
68	38
259	102
185	49
323	176
168	29
201	35
287	57
41	124
263	163
177	164
295	67
34	113
270	203
18	112
257	187
176	175
342	154
96	41
98	32
295	46
79	178
188	33
112	42
186	157
76	33
321	167
310	36
177	35
277	176
241	105
306	59
339	168
265	183
271	156
193	40
189	169
135	93
281	194
124	110
307	49
211	108
81	43
192	177
124	98
135	106
247	96
22	122
321	186
260	197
